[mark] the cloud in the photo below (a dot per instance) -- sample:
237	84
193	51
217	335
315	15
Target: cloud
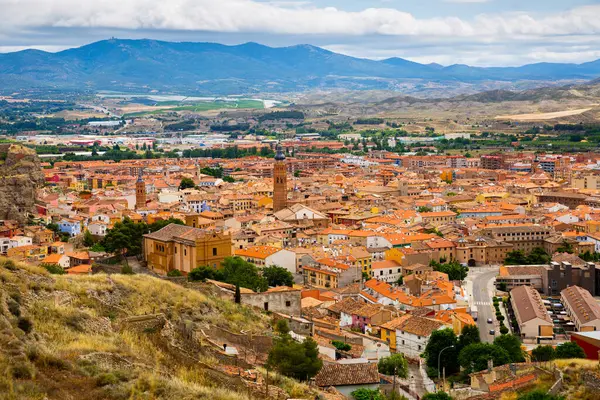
466	1
385	29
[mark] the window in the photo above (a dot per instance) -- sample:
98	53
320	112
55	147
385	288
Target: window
185	252
214	251
288	303
175	250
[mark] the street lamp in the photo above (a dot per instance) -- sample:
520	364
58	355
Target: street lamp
440	358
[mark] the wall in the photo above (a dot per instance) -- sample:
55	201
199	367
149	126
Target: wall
285	302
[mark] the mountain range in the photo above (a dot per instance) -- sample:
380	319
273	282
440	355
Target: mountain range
210	68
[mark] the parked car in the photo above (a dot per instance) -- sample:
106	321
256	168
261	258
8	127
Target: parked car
492	332
490	320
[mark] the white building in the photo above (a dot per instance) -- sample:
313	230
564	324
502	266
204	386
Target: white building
413	332
18	241
386	270
266	256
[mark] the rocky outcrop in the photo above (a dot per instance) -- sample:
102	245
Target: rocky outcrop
20	176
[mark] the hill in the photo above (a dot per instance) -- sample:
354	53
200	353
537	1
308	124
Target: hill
144	65
124	337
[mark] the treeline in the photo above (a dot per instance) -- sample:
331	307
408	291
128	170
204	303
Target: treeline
230	128
281	115
229	152
118	155
369	121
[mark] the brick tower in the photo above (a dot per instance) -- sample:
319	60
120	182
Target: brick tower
140	191
279	181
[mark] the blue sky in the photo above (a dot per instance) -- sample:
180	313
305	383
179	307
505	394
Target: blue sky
475	32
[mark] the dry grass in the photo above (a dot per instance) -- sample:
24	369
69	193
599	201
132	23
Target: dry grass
71	319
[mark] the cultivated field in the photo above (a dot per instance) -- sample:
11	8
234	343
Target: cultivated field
544	116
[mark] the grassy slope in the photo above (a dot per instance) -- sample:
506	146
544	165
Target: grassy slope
76	350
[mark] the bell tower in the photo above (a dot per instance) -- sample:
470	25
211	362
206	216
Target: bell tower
140	191
279	181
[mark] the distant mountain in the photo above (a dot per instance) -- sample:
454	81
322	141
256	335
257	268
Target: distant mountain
145	65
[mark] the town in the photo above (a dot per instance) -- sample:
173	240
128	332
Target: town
417	273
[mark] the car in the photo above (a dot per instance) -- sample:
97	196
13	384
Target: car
492	332
490	320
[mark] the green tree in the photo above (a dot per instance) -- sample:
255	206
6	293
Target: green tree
186	183
297	360
88	239
543	353
237	271
342	346
512	345
174	273
202	273
125	238
437	396
475	356
438	341
569	350
282	327
277	276
455	271
367	394
424	209
229	179
158	225
468	335
394	364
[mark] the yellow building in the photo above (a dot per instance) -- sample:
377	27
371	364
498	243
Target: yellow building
320	277
183	248
388	330
30	252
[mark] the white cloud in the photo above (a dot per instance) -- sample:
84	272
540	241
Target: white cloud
521	37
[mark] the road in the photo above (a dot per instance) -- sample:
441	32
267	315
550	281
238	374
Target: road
482	293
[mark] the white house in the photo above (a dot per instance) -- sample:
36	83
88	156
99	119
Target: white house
266	256
97	228
386	270
413	334
61	259
18	241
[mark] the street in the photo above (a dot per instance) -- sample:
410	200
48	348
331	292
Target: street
481	296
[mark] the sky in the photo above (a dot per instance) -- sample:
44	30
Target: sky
474	32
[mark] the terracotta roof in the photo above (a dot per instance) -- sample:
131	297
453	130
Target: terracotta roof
347	374
261	252
528	304
581	303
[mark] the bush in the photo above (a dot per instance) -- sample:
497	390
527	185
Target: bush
22	371
127	270
106	379
341	345
10	265
174	273
14	308
54	269
503	329
25	324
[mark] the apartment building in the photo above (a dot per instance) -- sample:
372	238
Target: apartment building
582	308
530	312
523	237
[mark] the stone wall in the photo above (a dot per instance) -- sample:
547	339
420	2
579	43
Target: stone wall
144	322
258	343
285	302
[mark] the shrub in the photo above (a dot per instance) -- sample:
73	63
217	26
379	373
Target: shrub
22	371
174	273
503	329
54	269
10	265
14	308
106	379
127	270
25	324
341	345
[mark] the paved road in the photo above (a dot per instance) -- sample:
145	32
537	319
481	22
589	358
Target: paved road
483	290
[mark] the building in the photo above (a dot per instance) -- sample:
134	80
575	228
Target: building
530	312
267	256
386	270
524	237
140	191
589	342
582	308
280	299
571	200
347	378
409	334
279	181
183	248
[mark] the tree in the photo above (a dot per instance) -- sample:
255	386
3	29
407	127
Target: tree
518	257
125	237
468	335
186	183
297	360
569	350
367	394
455	271
438	341
475	356
158	225
395	364
229	179
237	271
437	396
174	273
512	345
237	298
543	353
202	273
88	239
424	209
282	327
277	276
342	346
539	395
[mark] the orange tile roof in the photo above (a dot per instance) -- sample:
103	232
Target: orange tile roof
260	252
